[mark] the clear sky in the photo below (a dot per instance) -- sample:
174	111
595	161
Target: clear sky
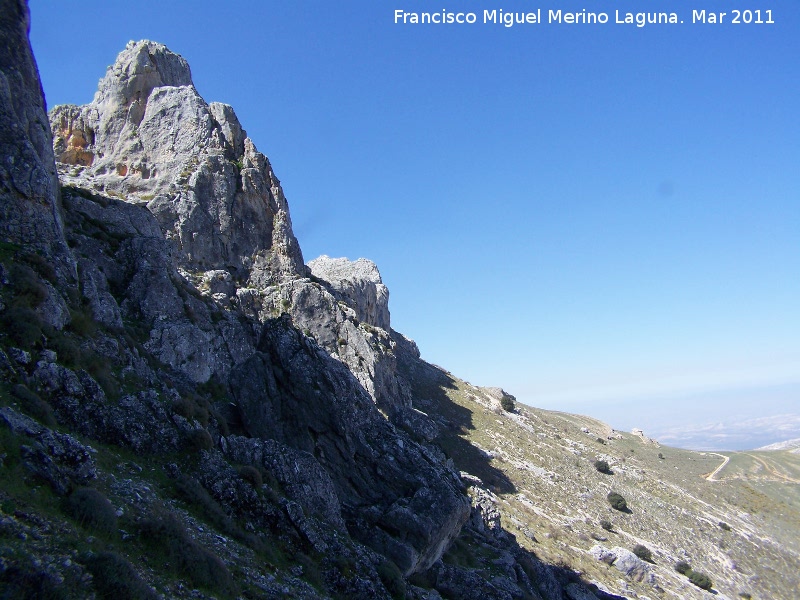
599	218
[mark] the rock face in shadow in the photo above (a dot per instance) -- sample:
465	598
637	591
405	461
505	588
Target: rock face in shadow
396	498
30	206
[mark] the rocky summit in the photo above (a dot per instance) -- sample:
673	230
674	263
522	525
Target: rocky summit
188	410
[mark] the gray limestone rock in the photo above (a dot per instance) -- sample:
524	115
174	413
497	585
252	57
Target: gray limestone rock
357	283
625	561
149	137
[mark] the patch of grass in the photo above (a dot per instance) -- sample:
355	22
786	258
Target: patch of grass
114	578
168	539
92	510
32	404
392	579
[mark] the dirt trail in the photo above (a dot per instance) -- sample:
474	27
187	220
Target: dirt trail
715	472
772	470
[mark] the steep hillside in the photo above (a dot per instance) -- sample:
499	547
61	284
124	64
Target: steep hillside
187	410
733	516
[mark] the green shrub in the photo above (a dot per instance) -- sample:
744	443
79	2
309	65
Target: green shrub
251	475
69	353
701	580
507	403
22	325
643	552
28	288
167	537
601	441
33	405
392	579
602	467
606	525
617	502
92	510
82	322
40	264
724	526
682	567
114	578
199	439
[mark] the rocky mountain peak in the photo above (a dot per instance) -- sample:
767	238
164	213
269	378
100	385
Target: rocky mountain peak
150	138
141	67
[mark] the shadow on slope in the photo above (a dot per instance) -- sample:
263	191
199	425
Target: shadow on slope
430	385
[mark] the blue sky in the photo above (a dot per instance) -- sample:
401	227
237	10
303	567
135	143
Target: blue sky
599	218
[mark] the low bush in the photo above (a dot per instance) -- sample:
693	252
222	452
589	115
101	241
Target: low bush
33	405
167	536
251	475
392	579
68	352
643	552
682	567
22	325
81	322
606	525
617	502
114	578
199	439
699	579
507	403
602	467
724	526
92	510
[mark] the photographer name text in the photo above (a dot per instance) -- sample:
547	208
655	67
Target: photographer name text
561	17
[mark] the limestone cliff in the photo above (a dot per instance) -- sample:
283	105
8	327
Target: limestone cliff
150	138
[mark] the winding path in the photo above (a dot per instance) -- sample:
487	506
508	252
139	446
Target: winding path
716	471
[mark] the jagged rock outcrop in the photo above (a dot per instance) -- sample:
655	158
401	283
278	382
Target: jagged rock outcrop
149	137
358	284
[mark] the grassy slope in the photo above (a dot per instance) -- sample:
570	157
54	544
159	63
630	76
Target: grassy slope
541	464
